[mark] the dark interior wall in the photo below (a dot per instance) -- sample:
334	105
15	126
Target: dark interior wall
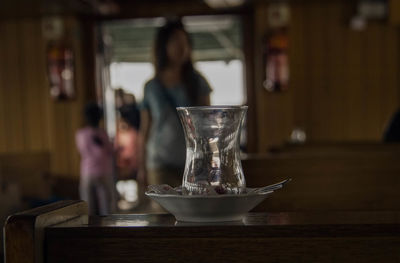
24	112
30	119
344	84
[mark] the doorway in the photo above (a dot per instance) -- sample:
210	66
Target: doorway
126	65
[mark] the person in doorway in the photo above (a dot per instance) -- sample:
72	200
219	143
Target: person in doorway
127	141
176	84
96	185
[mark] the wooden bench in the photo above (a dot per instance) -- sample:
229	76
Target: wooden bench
23	177
24	232
30	170
329	180
338	148
62	232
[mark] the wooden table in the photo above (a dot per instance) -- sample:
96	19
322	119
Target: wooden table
357	236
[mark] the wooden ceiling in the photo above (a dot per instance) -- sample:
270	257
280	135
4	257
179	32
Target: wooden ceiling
102	8
110	9
105	8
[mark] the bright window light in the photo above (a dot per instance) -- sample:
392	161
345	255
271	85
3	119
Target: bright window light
131	77
226	79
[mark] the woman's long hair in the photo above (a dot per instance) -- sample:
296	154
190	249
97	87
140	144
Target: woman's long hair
161	61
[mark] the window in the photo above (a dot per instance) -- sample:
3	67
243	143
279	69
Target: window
217	55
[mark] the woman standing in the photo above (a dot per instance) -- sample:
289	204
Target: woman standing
175	84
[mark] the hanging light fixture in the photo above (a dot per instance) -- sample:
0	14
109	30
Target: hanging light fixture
224	3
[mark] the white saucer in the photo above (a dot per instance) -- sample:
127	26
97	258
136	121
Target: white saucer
209	208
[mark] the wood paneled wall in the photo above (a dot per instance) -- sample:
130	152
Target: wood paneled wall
344	84
29	119
23	112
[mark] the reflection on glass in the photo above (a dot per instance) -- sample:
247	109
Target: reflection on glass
212	148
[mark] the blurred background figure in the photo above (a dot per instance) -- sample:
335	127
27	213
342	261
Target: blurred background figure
123	98
126	142
176	83
96	180
127	149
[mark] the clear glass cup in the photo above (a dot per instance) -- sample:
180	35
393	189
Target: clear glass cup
212	135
